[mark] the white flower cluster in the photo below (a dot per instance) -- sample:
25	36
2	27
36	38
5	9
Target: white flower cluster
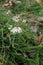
16	18
15	29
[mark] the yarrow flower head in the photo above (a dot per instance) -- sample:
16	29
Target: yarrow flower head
16	18
16	30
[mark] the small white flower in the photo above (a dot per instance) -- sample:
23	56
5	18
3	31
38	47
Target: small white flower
16	30
8	12
19	30
16	18
24	20
10	3
18	1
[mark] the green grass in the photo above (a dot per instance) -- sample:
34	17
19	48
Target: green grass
15	48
